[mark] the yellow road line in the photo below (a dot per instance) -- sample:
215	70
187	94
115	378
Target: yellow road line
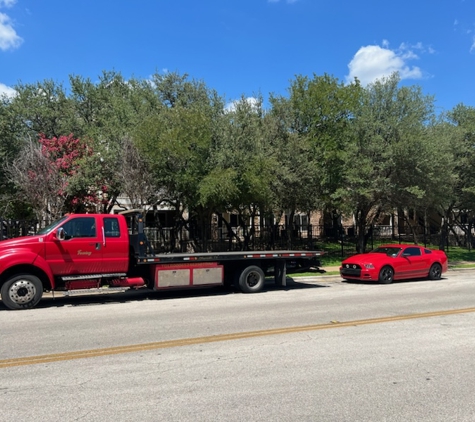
82	354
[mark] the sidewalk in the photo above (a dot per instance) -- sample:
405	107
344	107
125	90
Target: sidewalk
328	269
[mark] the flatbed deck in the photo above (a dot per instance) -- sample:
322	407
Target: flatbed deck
226	256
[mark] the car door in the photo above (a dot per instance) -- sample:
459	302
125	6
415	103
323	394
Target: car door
413	263
81	250
115	246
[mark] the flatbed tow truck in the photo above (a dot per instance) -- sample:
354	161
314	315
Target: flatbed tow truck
105	253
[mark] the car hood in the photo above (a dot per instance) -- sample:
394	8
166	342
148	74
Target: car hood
32	243
366	257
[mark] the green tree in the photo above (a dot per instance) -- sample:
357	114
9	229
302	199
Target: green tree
176	140
294	179
321	111
456	196
42	108
242	165
12	137
385	164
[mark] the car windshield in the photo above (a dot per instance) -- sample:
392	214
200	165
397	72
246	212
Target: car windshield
52	226
388	250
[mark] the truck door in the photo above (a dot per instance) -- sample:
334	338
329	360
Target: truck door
81	250
115	246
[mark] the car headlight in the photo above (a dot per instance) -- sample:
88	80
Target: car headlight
369	266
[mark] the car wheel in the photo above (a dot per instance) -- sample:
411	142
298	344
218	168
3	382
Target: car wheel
386	275
22	291
435	272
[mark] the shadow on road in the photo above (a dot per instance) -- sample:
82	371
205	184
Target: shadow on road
376	283
59	300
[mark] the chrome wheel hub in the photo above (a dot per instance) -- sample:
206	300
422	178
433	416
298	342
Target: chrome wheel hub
22	291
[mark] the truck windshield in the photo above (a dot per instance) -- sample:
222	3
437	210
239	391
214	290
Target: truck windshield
52	226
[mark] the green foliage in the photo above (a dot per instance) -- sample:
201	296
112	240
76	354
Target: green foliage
387	164
241	153
176	139
320	112
176	144
340	148
459	132
11	140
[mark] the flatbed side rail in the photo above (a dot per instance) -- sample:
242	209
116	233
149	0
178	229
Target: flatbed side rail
228	256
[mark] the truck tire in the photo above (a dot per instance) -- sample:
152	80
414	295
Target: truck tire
251	279
22	291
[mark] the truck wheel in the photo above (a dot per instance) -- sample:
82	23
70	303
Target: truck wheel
251	280
22	291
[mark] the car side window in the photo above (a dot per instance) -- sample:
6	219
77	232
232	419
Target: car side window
111	227
412	252
80	227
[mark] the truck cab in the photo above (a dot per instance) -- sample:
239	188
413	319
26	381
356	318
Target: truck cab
76	251
79	244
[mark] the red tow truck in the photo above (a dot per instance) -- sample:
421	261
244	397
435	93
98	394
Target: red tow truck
105	253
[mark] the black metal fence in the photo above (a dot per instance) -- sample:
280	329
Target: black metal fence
340	241
337	241
11	228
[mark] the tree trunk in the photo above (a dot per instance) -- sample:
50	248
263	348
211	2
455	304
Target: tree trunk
361	231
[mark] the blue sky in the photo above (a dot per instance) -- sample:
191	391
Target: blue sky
244	47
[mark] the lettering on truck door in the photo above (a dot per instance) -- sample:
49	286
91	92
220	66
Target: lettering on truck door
81	250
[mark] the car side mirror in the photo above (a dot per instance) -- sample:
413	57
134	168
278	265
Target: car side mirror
60	234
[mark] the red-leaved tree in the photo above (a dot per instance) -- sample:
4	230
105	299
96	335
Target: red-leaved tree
59	175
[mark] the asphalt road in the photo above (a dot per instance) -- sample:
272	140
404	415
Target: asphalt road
319	350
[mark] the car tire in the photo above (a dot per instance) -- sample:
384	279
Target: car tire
386	275
22	291
435	272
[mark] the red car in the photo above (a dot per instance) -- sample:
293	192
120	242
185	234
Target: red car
395	262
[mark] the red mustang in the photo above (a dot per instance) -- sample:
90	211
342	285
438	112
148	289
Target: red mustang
395	262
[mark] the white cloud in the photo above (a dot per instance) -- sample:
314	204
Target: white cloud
7	91
373	62
9	39
463	28
7	3
231	106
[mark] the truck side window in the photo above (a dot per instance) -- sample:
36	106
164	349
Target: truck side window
80	227
111	227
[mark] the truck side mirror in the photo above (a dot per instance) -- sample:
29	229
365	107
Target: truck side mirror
60	234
